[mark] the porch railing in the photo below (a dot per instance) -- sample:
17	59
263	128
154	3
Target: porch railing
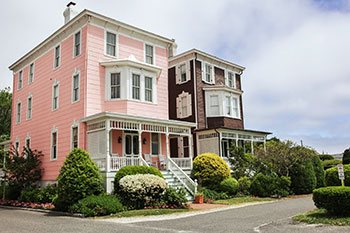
119	162
184	163
187	182
101	163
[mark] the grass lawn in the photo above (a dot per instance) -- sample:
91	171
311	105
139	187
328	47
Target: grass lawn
242	200
147	212
320	216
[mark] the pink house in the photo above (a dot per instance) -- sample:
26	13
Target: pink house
100	85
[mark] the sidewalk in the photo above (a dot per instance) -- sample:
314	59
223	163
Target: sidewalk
206	206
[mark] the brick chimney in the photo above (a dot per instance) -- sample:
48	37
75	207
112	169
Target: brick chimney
70	12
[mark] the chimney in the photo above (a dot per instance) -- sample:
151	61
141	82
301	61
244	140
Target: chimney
70	12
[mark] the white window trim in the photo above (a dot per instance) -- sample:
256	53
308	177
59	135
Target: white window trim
20	74
234	78
54	57
29	73
178	73
154	52
108	93
56	82
222	104
75	124
159	145
54	130
76	72
179	113
30	140
203	64
116	43
144	87
79	31
31	110
18	119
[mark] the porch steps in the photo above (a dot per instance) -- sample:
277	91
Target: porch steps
173	182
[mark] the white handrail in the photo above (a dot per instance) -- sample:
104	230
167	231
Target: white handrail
142	161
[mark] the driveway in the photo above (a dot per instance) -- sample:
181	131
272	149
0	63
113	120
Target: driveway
263	217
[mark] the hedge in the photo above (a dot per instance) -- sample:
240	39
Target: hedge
229	185
336	200
303	178
330	163
332	178
270	186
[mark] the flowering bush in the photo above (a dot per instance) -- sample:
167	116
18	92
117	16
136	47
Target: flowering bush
164	205
46	206
173	197
139	190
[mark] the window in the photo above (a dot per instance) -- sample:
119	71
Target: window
131	144
231	80
149	54
76	88
184	105
183	72
29	107
77	42
57	56
111	44
115	86
155	144
31	73
235	112
214	105
54	145
55	94
20	80
17	145
28	143
208	73
136	86
182	69
148	89
18	116
227	105
74	137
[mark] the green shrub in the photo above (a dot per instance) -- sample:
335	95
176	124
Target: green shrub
229	186
48	194
336	200
332	178
319	171
324	157
134	170
97	206
79	178
346	156
212	194
330	163
303	178
270	186
136	191
244	185
174	197
210	169
42	195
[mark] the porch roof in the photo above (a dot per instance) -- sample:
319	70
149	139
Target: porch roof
236	130
114	115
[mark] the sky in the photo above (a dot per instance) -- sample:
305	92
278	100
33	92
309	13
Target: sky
296	53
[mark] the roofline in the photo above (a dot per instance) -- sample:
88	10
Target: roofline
96	15
137	118
243	130
194	50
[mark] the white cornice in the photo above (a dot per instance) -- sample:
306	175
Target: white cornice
223	88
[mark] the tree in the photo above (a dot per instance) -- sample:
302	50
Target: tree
346	156
5	113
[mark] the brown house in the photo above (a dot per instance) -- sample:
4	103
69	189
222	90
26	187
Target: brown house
207	90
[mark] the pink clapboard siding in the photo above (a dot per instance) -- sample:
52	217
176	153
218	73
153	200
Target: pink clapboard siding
43	118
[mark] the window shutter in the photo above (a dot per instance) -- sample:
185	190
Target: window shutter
177	74
203	72
188	70
178	109
189	105
226	77
213	74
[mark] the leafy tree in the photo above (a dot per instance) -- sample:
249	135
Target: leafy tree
303	178
5	113
346	156
324	157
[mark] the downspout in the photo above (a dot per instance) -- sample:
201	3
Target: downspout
85	81
195	90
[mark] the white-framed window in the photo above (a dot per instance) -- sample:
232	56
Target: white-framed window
55	95
18	115
76	86
75	135
111	44
77	44
235	107
208	75
155	144
136	86
29	107
184	105
31	73
148	89
227	105
183	72
230	79
57	58
115	85
54	143
214	105
20	80
149	54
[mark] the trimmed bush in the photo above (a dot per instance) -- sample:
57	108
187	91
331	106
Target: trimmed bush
210	169
79	178
303	178
42	195
336	200
270	186
319	171
330	163
324	157
173	197
97	206
332	178
212	194
346	156
229	186
244	185
134	170
136	191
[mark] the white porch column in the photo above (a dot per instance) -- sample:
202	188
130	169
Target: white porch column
108	158
140	141
265	143
236	140
252	145
220	149
190	148
167	147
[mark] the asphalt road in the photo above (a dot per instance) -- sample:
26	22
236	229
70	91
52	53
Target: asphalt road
268	217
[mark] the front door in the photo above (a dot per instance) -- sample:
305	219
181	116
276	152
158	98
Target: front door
131	144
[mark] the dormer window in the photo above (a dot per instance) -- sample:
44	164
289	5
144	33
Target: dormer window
111	44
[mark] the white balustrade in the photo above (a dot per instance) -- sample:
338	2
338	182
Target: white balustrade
119	162
183	163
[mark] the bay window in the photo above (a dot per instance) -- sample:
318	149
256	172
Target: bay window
115	85
148	89
136	86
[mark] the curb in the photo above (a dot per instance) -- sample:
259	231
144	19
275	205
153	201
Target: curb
54	212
